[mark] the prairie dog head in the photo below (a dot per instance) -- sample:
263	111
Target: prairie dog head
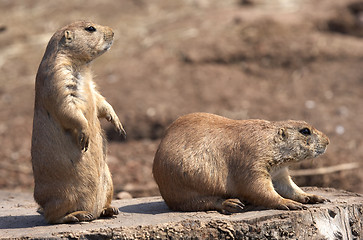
85	40
297	140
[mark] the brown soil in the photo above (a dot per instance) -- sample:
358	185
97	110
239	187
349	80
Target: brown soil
301	60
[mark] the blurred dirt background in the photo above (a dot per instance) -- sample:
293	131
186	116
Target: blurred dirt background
270	59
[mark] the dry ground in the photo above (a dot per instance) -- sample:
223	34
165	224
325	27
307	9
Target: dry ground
270	60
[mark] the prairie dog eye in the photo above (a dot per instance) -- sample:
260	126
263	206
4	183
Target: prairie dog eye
90	29
305	131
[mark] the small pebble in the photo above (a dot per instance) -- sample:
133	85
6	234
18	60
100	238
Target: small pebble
310	104
339	129
123	195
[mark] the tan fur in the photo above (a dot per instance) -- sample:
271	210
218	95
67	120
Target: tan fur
208	162
72	180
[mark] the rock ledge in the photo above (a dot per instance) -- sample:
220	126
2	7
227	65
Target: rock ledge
149	218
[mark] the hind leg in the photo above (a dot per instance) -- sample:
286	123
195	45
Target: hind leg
78	216
59	214
206	203
108	210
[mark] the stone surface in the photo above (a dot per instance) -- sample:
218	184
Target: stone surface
150	218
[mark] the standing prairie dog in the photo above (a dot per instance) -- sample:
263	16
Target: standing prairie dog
208	162
72	180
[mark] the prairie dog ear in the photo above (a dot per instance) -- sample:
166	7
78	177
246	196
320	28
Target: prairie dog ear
281	135
69	36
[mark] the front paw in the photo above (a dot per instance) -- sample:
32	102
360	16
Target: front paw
116	122
83	140
287	204
311	198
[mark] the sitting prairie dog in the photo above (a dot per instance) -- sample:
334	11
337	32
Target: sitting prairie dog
72	180
208	162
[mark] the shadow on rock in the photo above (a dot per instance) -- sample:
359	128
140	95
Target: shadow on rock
26	221
146	208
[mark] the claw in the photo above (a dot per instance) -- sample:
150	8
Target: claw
288	204
109	212
122	132
83	141
118	126
78	216
316	199
283	207
232	206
